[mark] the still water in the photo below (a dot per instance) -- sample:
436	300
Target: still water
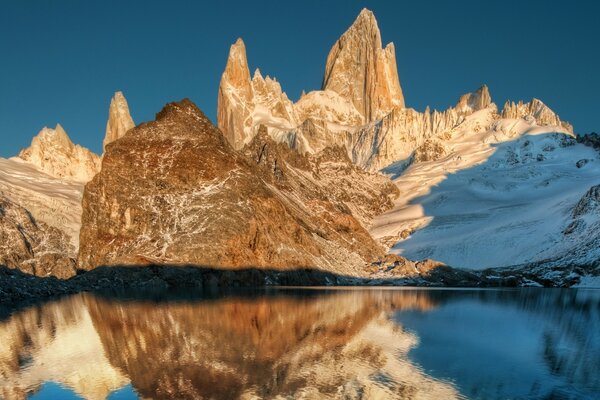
306	343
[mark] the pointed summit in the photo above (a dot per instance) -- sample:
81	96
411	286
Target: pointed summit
119	119
235	94
363	72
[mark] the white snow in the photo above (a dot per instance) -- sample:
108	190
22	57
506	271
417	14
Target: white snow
491	202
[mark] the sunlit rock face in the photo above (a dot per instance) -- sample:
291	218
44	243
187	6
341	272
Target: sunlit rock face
173	191
55	342
52	152
363	72
326	347
31	245
119	119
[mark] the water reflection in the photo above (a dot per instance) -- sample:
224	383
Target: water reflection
305	344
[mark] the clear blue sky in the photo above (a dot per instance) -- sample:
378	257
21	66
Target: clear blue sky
61	61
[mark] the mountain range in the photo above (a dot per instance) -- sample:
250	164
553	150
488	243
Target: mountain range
348	180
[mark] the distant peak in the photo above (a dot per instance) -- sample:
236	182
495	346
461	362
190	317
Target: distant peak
57	136
474	101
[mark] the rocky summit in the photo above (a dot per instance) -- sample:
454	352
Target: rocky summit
174	191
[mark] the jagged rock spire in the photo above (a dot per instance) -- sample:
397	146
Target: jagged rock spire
235	100
363	72
119	119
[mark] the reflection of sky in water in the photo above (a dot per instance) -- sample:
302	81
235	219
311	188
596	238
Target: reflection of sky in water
505	349
52	391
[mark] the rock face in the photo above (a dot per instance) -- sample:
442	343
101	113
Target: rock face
52	152
363	72
119	119
32	246
174	191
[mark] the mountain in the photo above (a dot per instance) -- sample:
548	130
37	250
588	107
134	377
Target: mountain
441	161
283	185
360	85
52	152
173	191
504	181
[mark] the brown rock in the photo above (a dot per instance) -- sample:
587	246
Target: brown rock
173	191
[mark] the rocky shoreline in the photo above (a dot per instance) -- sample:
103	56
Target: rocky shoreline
17	286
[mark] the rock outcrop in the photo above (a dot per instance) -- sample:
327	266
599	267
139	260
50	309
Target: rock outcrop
32	246
52	152
119	119
173	191
363	72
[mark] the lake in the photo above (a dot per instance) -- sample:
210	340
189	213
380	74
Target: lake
350	343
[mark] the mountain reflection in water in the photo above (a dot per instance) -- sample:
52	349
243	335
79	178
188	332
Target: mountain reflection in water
305	343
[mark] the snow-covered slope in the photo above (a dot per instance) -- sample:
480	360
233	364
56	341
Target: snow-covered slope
55	201
503	195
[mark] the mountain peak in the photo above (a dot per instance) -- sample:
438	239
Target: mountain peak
474	101
236	71
52	152
119	119
363	72
53	137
